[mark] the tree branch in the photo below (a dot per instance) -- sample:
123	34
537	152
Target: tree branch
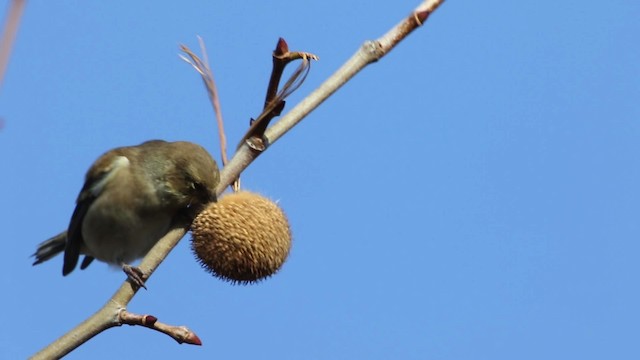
369	52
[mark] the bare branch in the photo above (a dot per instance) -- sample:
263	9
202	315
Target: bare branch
369	52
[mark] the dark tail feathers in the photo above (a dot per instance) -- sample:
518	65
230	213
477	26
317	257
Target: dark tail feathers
50	248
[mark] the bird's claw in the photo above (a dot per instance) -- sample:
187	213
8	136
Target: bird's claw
135	275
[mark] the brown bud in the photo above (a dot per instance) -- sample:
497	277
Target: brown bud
242	238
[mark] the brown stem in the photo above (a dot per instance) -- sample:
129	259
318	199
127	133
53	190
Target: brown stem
275	100
181	334
12	22
276	73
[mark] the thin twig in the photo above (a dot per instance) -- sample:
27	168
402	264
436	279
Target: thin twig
12	22
181	334
276	72
281	58
274	104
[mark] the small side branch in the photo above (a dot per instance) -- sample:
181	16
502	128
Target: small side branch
281	58
275	100
181	334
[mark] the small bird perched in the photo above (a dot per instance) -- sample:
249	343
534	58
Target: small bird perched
130	198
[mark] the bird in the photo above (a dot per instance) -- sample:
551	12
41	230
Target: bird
130	198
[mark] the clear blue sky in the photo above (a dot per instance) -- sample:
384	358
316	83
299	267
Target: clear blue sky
474	195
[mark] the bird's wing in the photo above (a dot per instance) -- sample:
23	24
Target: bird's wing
97	178
74	233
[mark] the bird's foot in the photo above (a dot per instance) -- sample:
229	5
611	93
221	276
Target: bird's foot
135	275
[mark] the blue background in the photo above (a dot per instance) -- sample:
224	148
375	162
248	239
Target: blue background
473	195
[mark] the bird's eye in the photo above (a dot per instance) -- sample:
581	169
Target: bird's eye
197	186
203	193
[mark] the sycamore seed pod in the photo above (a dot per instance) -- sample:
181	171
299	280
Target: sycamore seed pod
242	238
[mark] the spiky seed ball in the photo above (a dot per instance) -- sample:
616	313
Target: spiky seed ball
242	238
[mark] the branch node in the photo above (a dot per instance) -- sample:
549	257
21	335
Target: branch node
257	144
421	16
373	50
